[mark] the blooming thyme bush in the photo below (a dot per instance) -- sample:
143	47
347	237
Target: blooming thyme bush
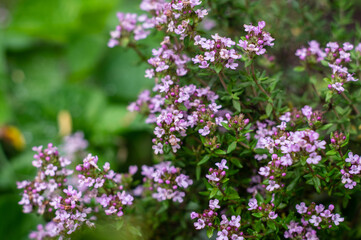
232	158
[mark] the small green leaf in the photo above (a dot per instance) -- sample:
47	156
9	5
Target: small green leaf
204	160
327	126
331	152
299	69
317	184
269	109
210	232
236	105
232	147
236	162
220	152
271	225
218	68
198	172
257	215
214	192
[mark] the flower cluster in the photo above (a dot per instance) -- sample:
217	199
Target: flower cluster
74	145
340	75
227	229
208	216
51	194
306	114
176	109
352	169
264	209
216	175
167	60
256	39
336	56
52	176
338	139
217	52
286	148
131	26
94	179
313	216
177	17
68	201
311	54
165	181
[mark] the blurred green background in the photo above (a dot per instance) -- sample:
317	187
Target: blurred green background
55	63
57	76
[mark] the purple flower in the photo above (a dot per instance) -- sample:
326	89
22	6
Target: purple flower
214	204
301	208
252	204
272	215
315	220
204	131
222	165
50	170
336	218
158	149
199	224
313	158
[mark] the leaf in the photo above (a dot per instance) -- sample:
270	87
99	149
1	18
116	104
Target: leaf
299	69
225	125
269	109
213	192
210	232
257	215
271	225
331	152
232	147
220	152
198	172
204	160
236	105
327	126
236	162
317	184
293	183
218	68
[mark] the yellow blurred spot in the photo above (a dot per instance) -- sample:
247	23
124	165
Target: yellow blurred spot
13	136
296	31
64	123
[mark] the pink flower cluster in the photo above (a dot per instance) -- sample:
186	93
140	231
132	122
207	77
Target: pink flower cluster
175	16
337	58
92	179
265	209
74	146
167	60
352	168
306	114
286	147
256	39
227	229
69	201
165	182
340	75
215	175
131	26
216	51
311	54
175	109
51	177
313	216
